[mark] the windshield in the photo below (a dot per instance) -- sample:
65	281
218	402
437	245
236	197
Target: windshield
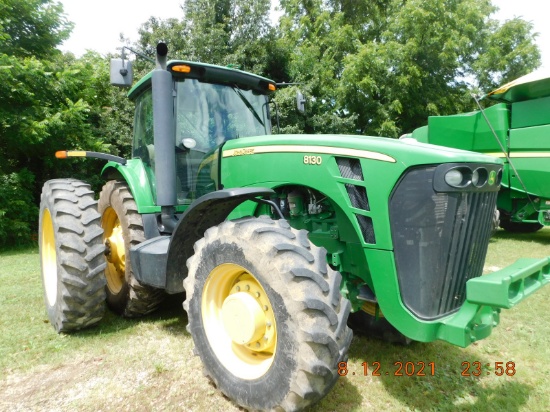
210	114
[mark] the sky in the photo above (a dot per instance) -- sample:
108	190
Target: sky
98	24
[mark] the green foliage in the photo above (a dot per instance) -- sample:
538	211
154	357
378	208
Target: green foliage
508	53
49	102
32	27
377	67
370	67
390	64
18	210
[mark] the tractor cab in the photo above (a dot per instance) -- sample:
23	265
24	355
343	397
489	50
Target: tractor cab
208	106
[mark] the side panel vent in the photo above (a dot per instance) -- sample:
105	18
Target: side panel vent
350	168
367	229
358	196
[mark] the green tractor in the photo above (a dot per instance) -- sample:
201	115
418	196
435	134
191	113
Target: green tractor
274	239
515	129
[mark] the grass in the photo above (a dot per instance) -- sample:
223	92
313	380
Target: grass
148	365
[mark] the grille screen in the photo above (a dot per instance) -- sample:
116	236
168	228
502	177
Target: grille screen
358	196
440	241
367	229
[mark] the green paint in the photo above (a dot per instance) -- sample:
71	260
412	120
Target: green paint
521	122
340	189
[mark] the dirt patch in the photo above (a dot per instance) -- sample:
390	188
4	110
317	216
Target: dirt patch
47	388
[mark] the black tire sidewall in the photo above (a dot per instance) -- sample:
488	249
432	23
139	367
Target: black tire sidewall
118	301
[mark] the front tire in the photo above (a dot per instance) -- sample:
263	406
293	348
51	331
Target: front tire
123	228
71	255
266	314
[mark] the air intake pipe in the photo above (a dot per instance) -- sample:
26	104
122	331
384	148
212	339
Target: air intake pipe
163	126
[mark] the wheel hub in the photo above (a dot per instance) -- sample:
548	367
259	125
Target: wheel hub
239	321
115	251
114	244
243	318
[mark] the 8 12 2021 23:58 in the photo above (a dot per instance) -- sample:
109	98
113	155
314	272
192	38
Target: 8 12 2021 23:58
399	369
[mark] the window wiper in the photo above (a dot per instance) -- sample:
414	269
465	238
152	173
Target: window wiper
247	104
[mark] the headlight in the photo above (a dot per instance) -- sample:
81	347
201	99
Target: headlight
479	177
455	178
472	177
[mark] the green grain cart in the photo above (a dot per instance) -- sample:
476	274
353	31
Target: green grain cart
516	129
274	238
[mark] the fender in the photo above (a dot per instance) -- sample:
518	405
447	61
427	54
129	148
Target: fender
207	211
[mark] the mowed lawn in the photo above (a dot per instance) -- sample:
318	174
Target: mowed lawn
148	364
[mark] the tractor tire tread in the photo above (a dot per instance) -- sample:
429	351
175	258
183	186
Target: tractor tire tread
80	281
313	299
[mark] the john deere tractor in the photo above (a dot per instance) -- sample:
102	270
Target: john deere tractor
516	130
274	239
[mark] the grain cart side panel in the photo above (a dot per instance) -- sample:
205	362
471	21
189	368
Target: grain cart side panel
515	129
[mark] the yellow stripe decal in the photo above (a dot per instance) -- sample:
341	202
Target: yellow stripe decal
521	154
76	153
337	151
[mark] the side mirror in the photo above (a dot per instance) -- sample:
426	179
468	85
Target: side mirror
300	102
121	73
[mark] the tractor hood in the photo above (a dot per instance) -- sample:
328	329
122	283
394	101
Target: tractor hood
406	152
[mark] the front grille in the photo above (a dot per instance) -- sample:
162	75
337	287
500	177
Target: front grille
440	241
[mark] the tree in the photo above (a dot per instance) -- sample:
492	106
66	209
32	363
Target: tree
50	102
319	40
32	27
507	53
426	59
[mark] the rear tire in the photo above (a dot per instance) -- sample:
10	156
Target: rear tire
287	357
71	255
123	228
518	227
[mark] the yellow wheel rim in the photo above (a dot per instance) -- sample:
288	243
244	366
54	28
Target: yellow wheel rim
239	322
49	257
115	251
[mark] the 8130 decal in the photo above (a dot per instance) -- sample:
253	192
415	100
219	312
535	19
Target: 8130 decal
312	160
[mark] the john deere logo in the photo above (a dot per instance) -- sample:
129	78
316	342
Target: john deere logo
492	178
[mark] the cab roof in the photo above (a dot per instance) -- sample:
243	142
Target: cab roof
209	73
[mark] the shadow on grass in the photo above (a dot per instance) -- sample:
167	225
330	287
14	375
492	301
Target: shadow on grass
446	390
169	316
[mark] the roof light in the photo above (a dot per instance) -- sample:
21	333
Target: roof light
181	68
